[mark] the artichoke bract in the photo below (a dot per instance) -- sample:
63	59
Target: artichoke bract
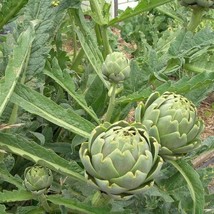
121	159
172	119
116	67
37	179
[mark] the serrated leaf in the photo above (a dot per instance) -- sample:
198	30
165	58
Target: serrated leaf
195	88
100	11
15	66
30	210
9	9
3	209
67	83
194	184
89	44
48	19
40	155
143	5
7	177
187	43
77	207
98	102
15	196
38	104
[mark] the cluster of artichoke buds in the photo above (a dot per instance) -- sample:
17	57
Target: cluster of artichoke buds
198	3
116	67
121	159
173	121
37	179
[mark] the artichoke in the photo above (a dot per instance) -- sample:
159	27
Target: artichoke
121	159
198	3
37	179
172	120
116	67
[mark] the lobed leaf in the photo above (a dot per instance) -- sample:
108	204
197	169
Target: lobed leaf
77	207
194	184
35	103
15	196
10	9
143	6
32	151
7	177
15	66
89	44
67	83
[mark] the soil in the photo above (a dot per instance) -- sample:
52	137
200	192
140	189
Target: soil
206	111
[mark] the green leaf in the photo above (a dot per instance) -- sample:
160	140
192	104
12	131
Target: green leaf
30	210
38	104
7	177
15	196
143	5
96	95
187	43
48	19
194	184
9	9
66	82
15	66
77	207
3	209
195	88
46	157
89	44
100	11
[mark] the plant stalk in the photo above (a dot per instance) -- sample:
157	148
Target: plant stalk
105	39
196	18
77	60
43	202
112	94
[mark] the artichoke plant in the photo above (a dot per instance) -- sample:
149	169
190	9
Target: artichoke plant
37	179
116	67
172	119
121	159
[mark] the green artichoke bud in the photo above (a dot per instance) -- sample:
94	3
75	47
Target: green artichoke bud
37	179
116	67
198	3
172	120
121	159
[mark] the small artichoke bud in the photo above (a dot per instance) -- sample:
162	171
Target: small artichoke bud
116	67
37	179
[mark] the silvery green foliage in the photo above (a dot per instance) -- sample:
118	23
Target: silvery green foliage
37	179
121	159
173	121
116	67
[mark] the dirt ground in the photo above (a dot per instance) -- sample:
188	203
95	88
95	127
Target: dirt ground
206	111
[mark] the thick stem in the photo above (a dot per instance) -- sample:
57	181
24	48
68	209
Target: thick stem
196	18
43	202
111	105
98	34
77	60
105	39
